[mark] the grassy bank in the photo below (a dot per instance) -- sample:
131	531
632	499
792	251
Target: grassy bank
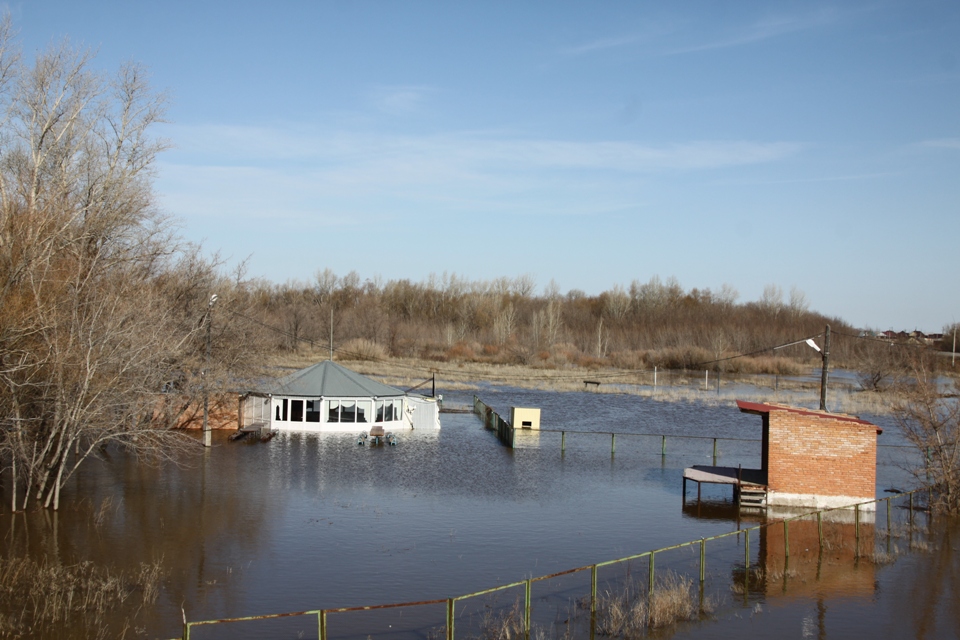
800	387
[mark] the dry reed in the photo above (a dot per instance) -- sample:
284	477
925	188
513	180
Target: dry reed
48	595
631	611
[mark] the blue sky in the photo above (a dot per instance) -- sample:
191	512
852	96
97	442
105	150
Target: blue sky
809	145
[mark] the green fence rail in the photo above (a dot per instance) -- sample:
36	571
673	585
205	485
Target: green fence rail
323	615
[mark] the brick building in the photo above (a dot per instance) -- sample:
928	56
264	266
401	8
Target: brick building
808	459
815	458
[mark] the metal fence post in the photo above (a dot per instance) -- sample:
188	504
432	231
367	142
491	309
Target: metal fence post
593	600
450	618
746	549
593	589
650	585
888	519
613	443
563	441
663	445
714	452
703	558
526	609
322	615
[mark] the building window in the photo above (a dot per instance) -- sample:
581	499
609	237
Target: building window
363	410
313	411
348	411
388	410
296	410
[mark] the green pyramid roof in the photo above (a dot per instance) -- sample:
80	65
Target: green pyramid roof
331	380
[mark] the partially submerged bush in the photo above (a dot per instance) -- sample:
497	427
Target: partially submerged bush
48	595
631	611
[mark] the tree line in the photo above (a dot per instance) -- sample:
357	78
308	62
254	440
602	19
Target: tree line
649	323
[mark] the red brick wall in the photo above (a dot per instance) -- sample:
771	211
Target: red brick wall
810	454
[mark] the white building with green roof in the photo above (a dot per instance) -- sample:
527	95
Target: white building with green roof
328	397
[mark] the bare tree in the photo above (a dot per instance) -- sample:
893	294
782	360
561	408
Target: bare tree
931	422
798	303
772	299
101	308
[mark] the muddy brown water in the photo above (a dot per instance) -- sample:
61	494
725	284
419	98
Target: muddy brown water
307	522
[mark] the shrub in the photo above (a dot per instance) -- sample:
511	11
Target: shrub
460	352
362	349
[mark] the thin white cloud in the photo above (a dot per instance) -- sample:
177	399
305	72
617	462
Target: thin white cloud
340	149
297	175
837	178
942	143
400	100
664	39
759	31
601	44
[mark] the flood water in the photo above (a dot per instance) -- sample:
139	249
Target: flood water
305	522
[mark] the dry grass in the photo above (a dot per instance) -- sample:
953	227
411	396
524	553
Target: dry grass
882	557
364	350
501	625
48	595
631	612
495	624
672	386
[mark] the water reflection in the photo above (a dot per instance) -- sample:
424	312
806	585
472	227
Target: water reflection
309	520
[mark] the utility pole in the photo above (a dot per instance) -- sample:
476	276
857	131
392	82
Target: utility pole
825	354
331	333
207	435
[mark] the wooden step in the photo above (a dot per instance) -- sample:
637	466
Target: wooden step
753	497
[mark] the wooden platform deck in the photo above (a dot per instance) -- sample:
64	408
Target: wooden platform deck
749	485
725	475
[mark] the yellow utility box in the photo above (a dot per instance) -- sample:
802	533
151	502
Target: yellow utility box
525	418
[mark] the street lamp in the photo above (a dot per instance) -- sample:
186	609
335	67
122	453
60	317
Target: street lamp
207	435
825	355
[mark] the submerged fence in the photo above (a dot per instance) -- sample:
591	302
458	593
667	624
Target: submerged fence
773	564
507	434
492	420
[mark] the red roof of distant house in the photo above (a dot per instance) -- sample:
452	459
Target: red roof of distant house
760	408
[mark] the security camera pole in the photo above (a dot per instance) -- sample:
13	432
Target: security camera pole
207	435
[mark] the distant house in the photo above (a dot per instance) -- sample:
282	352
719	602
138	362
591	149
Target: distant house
808	459
328	397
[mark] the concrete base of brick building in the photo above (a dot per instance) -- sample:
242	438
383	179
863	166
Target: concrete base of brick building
803	503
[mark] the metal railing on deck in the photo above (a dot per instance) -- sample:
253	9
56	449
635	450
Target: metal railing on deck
322	615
